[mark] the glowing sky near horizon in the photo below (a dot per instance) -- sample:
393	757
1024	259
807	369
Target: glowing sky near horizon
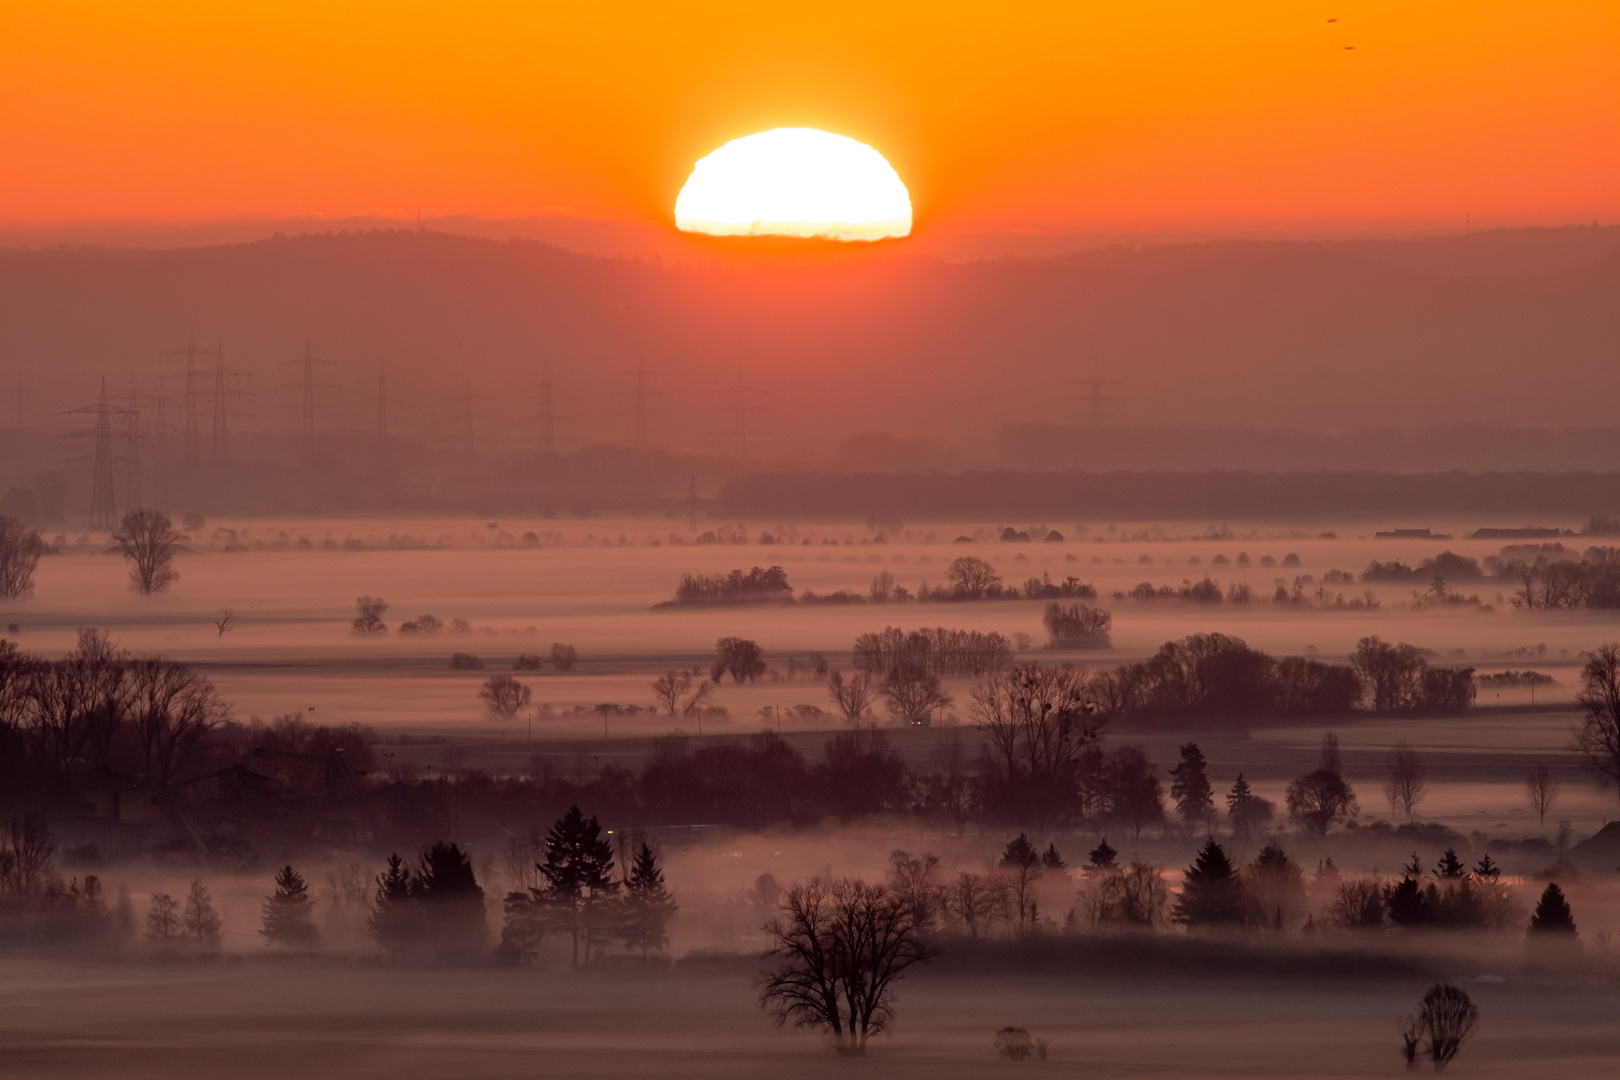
1046	116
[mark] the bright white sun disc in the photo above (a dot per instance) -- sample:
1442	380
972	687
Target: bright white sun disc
795	182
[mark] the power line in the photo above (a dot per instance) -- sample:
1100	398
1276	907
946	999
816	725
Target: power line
103	511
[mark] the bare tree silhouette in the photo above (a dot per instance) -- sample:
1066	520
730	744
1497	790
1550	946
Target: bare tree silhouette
149	541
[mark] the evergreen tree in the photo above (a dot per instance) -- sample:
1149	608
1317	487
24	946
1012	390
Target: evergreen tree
289	914
1190	787
1102	856
1413	869
579	893
1486	869
163	920
1051	860
1244	809
1450	866
201	922
648	904
1277	886
1409	904
1024	861
1212	894
452	901
1020	853
1552	914
395	920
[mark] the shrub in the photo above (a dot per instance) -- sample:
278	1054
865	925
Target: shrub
1076	626
465	662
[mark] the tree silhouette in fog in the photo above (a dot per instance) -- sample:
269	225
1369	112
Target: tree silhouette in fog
504	696
200	922
837	950
1552	914
1446	1018
368	613
20	549
648	903
1245	810
395	921
148	541
1023	865
1212	893
1189	787
452	902
1598	736
289	913
579	895
742	659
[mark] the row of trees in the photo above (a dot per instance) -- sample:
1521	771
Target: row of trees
99	706
147	539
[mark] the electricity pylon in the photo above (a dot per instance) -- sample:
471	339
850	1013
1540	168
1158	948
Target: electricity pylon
103	510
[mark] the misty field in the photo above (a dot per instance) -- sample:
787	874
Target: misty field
266	610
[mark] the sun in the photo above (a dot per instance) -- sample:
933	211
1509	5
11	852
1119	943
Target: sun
795	182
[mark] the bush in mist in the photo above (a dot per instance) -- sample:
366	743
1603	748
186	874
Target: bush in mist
1017	1044
289	913
504	696
149	542
1553	914
1076	626
368	613
1070	588
837	950
461	661
20	549
1133	896
526	662
1597	738
563	657
1446	1018
759	584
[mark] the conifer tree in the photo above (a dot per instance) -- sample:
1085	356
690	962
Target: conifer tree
395	921
1277	886
1552	914
1102	856
451	902
1245	809
1212	894
1413	869
1409	904
579	895
289	914
1051	860
201	922
1450	866
648	903
1190	787
1486	869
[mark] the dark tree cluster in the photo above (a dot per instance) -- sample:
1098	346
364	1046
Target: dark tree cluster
99	708
1554	582
1077	626
938	651
1398	678
579	897
758	584
1452	897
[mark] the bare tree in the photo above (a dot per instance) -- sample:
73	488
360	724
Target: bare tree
226	621
504	695
976	902
972	577
26	849
1449	1018
1405	787
911	692
838	949
1038	721
1542	790
20	549
1598	736
172	709
199	920
670	687
149	541
854	695
911	877
681	693
742	658
368	613
951	783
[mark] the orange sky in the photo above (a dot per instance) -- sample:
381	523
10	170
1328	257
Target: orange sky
1073	116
